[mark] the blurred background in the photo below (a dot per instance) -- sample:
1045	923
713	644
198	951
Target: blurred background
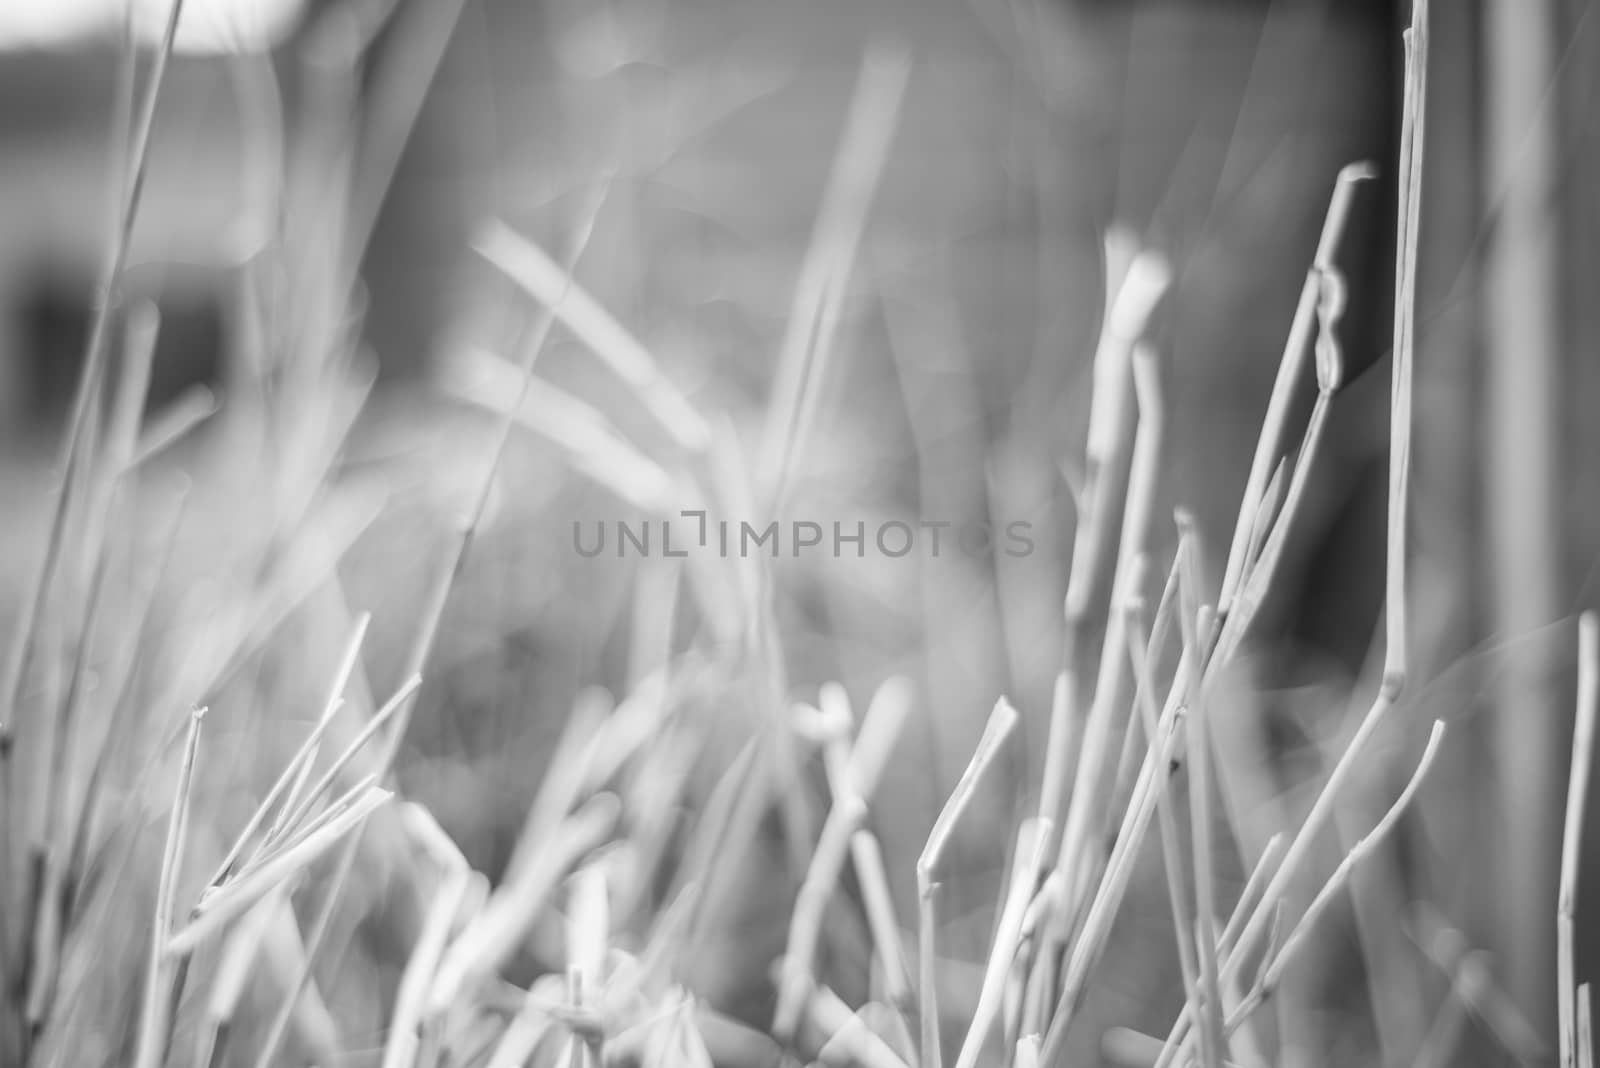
1210	131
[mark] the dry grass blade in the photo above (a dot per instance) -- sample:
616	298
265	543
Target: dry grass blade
1122	365
154	1023
564	777
522	1037
1364	847
853	774
1132	301
715	825
230	642
1244	910
808	339
1158	632
1087	809
418	39
1061	735
496	932
1439	1045
462	892
1276	963
1119	370
1033	845
238	895
1267	510
235	965
291	780
1250	896
578	1051
1200	789
632	728
929	868
591	442
880	729
1263	569
54	839
1108	897
1585	1026
880	733
172	423
1583	738
1149	713
315	1030
295	817
841	1037
588	936
431	838
809	911
1474	983
132	392
263	948
1133	286
552	286
866	854
1290	367
79	851
306	757
1412	139
132	388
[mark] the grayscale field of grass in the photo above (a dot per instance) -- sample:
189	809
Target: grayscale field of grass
699	534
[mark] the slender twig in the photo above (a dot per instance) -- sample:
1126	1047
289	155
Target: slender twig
1290	367
1276	963
930	867
238	895
293	776
1251	895
1149	708
294	772
307	756
295	817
